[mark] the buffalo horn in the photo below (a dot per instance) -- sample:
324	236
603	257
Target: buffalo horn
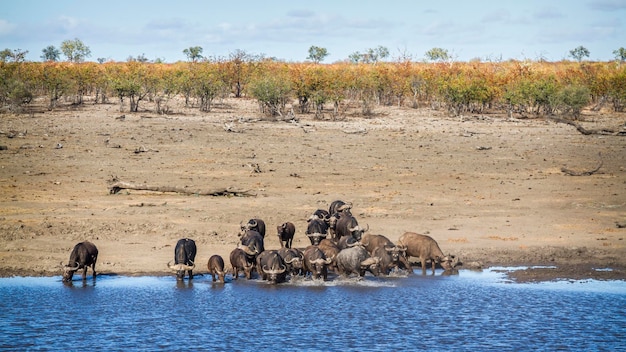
274	271
70	268
180	266
289	261
248	250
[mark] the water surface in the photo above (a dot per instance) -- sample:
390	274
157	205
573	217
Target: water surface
469	311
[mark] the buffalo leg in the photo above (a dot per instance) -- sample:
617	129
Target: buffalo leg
85	272
190	274
93	270
423	266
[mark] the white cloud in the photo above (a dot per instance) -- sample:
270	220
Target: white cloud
6	27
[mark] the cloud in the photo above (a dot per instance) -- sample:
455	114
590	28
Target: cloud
6	27
607	5
548	13
301	13
500	15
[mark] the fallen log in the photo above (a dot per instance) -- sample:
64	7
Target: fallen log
587	132
584	172
117	186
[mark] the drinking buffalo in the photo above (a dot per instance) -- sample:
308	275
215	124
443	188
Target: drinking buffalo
184	257
426	248
216	268
271	267
316	263
83	255
357	260
239	261
286	232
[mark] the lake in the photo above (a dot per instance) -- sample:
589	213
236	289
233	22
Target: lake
474	311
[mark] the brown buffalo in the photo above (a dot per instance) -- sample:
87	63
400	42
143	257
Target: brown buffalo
239	260
286	232
216	268
426	248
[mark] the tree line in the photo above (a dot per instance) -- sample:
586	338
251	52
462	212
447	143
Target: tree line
513	87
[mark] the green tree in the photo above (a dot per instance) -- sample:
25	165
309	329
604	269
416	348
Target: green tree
573	99
50	53
620	54
17	55
437	54
317	54
272	92
75	50
193	53
371	55
579	53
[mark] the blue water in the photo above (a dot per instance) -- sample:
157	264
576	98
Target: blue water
472	311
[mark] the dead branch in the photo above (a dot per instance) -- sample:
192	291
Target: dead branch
120	185
583	173
586	132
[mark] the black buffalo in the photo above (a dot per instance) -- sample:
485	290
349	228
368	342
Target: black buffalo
294	260
316	263
83	255
286	232
257	225
271	267
316	230
252	243
184	257
347	225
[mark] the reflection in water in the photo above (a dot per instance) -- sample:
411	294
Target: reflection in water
468	311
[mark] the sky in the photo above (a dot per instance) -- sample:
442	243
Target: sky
489	30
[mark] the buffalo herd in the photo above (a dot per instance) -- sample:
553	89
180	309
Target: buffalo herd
338	245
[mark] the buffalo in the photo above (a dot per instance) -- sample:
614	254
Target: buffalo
316	263
286	232
391	256
252	243
347	225
184	257
257	225
357	260
84	255
216	268
330	250
294	260
271	267
338	206
426	248
320	214
239	261
316	230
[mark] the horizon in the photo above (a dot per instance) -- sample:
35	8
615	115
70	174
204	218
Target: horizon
159	30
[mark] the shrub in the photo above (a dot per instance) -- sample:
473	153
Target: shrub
573	99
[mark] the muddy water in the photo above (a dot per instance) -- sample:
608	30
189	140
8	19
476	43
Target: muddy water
469	311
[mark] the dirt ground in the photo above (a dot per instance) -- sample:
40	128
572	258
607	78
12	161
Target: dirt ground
490	189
